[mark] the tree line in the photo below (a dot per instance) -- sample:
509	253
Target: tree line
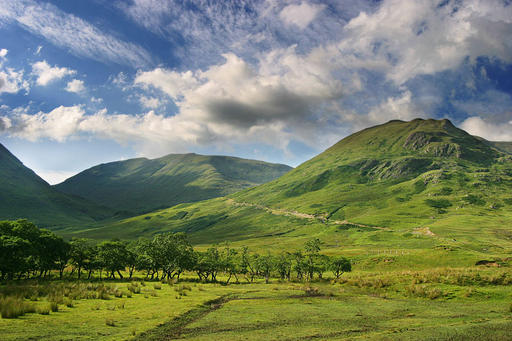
27	251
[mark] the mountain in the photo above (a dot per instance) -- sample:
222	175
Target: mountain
424	187
503	146
24	194
142	185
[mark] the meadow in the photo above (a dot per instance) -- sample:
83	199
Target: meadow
446	303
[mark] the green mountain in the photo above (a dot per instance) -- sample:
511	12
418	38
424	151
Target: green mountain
423	187
23	194
503	146
142	185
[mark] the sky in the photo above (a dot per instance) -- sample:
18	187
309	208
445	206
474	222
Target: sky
89	82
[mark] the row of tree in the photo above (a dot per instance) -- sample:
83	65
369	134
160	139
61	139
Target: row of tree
27	251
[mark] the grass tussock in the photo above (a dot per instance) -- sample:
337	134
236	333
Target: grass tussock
13	307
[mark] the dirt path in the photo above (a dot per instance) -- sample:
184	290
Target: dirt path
300	215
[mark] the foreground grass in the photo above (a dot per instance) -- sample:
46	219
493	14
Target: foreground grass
438	304
108	319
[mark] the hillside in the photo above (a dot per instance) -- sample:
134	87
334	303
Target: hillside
503	146
418	186
24	194
142	185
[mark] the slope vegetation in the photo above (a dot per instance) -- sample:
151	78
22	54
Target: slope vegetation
23	194
142	185
423	187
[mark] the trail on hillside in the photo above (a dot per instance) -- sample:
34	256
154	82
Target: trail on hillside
300	215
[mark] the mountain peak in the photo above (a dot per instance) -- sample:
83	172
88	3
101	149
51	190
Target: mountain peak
419	137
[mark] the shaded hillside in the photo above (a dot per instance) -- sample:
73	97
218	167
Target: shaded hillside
424	186
142	185
23	194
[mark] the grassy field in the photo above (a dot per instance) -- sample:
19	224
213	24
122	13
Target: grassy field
440	304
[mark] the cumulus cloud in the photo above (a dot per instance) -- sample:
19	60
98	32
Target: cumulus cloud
47	74
410	38
237	100
171	82
492	131
400	108
300	15
72	33
150	102
12	81
76	86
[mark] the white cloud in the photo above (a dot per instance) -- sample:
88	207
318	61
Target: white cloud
491	131
59	124
150	102
396	108
12	81
3	53
300	15
96	100
72	33
46	74
76	86
171	82
410	38
38	50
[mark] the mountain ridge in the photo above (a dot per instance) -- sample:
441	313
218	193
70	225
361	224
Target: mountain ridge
26	195
419	197
141	185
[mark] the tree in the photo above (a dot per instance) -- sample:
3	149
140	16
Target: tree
313	262
266	265
231	263
339	265
81	253
113	255
283	264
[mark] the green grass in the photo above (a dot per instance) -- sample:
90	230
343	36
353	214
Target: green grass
436	304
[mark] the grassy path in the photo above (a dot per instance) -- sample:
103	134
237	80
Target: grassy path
173	329
300	215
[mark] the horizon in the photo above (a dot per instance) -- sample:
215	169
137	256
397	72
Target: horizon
85	84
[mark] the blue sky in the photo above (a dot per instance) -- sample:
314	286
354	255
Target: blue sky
87	82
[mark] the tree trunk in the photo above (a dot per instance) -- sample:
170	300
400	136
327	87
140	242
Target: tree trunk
120	275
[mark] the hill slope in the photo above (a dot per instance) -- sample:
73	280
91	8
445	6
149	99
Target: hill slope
24	194
142	185
424	187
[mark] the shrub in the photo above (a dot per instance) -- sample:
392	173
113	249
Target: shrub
157	286
110	322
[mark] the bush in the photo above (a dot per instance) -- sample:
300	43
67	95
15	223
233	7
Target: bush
110	322
157	286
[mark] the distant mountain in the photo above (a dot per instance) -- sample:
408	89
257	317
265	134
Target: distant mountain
423	185
503	146
142	185
23	194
